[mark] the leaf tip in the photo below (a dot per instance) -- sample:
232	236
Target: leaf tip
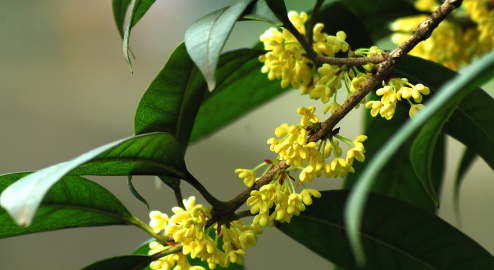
211	85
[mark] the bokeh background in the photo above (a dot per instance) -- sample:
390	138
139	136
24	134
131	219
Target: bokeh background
65	89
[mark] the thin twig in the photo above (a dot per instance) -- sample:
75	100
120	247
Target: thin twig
312	21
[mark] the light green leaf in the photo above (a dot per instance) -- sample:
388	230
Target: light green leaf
206	37
395	235
72	202
119	8
139	8
152	154
450	94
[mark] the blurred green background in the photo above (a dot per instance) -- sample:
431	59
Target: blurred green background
65	89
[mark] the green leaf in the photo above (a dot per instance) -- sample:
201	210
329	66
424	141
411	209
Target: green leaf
395	235
397	178
269	11
139	8
126	262
206	37
473	125
467	159
119	11
422	151
151	154
452	92
70	203
171	102
240	93
377	14
134	191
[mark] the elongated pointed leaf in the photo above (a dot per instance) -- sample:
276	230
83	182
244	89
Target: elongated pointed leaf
422	152
134	191
206	37
153	154
72	202
473	125
397	179
466	161
248	88
395	235
119	8
171	102
269	11
139	8
452	92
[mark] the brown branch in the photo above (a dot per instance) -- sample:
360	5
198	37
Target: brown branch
319	60
312	21
423	31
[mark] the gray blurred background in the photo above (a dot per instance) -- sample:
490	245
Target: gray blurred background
65	89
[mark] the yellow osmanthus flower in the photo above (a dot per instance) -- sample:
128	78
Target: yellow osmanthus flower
187	226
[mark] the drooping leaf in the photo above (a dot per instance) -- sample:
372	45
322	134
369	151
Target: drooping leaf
72	202
119	8
397	178
149	154
395	235
134	191
269	11
206	37
422	152
449	94
248	88
467	159
139	8
171	102
126	262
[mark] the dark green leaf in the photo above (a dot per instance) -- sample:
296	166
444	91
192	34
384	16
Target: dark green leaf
206	37
139	8
119	11
70	203
152	154
422	151
467	159
269	11
473	124
395	235
397	178
127	262
171	101
377	14
134	191
449	94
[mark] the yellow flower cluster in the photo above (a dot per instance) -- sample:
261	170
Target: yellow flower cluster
187	226
310	158
465	34
397	89
285	61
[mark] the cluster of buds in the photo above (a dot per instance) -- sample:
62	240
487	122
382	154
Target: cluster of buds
310	158
454	42
218	245
397	89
